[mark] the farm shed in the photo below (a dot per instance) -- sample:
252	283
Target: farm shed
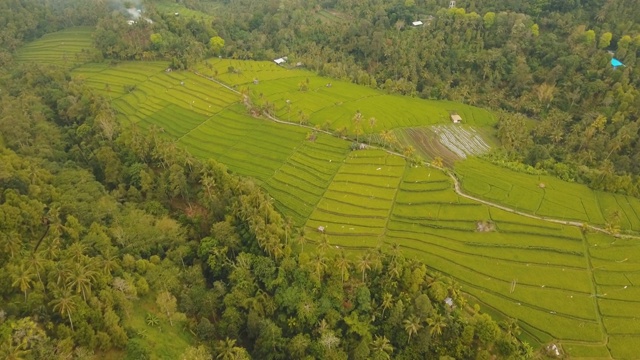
449	302
417	23
455	118
280	61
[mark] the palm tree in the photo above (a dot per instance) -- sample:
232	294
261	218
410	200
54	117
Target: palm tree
357	122
372	124
227	349
396	251
278	250
287	226
36	263
13	351
301	239
381	347
152	320
52	248
64	303
343	263
453	289
436	324
10	243
22	278
324	245
319	264
408	151
77	251
364	264
412	325
511	325
329	340
388	138
387	302
109	263
209	183
528	350
81	277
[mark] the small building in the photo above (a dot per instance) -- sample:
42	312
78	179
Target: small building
553	350
130	22
449	302
417	23
280	61
452	4
455	118
321	229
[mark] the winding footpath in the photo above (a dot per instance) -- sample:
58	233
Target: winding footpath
456	182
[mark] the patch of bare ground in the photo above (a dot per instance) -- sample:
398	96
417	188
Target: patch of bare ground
426	142
485	226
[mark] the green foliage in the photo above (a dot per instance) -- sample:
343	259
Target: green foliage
136	350
216	44
62	149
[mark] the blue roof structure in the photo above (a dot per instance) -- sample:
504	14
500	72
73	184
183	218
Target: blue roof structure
615	63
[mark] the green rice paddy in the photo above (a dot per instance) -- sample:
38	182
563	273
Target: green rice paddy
546	195
579	290
172	7
335	105
67	48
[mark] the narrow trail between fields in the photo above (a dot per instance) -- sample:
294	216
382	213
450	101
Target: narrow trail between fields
456	182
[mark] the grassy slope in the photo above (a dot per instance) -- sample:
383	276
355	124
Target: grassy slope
368	198
166	342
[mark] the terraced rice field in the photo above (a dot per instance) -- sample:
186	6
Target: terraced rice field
209	120
355	207
368	198
578	290
300	183
547	196
335	106
616	273
67	48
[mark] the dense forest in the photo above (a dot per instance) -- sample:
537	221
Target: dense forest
94	220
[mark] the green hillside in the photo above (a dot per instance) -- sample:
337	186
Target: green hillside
560	283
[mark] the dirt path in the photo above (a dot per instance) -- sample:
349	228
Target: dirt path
456	183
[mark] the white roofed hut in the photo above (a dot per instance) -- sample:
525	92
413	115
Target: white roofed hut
280	61
417	23
456	119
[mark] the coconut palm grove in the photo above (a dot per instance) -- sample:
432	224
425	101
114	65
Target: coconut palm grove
319	179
